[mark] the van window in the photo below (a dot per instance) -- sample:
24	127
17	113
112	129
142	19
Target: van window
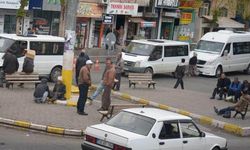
175	51
227	48
241	48
156	54
208	46
47	48
140	49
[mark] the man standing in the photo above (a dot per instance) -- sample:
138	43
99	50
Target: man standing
84	83
118	70
192	65
108	82
180	72
80	62
222	86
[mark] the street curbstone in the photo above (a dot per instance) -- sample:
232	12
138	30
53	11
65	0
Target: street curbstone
22	124
71	104
125	96
233	128
183	112
206	120
164	107
38	127
56	130
7	121
73	132
143	101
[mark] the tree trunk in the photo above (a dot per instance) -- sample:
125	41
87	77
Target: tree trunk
62	20
19	22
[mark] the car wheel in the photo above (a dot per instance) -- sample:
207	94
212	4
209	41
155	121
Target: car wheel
149	70
57	71
216	148
247	71
218	71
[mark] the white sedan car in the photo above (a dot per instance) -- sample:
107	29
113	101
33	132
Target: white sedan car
150	129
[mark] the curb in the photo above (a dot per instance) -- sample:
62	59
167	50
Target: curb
43	128
232	128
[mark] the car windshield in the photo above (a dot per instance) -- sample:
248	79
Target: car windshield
209	47
140	49
132	122
5	44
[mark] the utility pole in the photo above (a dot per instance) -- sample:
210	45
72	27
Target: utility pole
159	22
70	37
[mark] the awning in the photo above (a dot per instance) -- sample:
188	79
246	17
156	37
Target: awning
136	20
224	22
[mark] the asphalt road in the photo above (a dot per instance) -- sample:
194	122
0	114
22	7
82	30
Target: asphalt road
16	139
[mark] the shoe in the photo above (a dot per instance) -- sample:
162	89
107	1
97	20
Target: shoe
90	98
216	110
82	113
212	97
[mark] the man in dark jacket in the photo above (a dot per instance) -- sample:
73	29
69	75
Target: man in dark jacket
192	65
80	62
59	90
41	91
10	63
222	87
180	72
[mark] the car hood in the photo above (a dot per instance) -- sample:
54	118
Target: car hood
133	57
111	134
205	56
211	138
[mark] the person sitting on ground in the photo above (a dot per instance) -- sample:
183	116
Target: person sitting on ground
59	90
234	89
239	106
222	87
41	92
28	64
244	85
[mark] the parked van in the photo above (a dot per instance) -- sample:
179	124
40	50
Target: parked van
223	51
49	52
154	56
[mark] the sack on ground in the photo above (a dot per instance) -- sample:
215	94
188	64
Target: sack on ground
227	114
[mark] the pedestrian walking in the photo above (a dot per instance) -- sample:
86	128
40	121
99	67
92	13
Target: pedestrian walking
108	82
80	62
180	72
83	85
28	64
192	65
118	70
100	86
10	63
41	92
222	87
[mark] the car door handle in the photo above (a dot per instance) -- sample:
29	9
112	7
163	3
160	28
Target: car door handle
162	143
185	142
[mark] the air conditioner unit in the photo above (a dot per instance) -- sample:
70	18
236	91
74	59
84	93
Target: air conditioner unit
105	1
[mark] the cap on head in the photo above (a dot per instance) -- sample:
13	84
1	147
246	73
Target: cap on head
89	62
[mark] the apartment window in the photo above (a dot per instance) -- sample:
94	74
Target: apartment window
204	10
223	12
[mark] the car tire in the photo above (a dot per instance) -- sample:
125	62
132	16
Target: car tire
216	148
57	71
247	71
149	70
218	71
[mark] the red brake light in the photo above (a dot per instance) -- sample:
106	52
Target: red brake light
90	139
118	147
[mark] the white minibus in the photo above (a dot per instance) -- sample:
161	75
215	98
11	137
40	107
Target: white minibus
155	56
49	52
223	51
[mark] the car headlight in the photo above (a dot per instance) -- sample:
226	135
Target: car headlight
137	64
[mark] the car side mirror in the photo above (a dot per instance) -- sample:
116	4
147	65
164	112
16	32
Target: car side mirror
202	134
153	135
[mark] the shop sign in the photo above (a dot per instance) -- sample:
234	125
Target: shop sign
186	18
35	4
52	5
167	3
148	24
122	9
11	4
107	19
89	10
189	4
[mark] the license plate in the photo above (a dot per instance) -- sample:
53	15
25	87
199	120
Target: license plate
104	143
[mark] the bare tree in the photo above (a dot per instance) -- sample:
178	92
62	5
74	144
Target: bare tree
20	15
244	11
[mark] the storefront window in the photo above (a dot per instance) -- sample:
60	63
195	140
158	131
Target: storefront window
9	24
46	22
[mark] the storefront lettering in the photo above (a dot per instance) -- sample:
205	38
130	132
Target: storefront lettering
120	6
167	3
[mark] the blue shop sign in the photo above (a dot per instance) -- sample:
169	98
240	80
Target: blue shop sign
35	4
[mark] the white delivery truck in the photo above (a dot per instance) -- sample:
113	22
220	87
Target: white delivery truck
223	51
